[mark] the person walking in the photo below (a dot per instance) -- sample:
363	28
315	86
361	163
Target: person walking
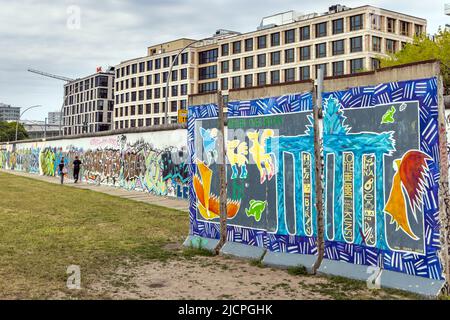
76	169
62	169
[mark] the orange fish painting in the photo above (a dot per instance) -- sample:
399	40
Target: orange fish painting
208	204
408	184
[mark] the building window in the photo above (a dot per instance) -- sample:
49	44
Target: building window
305	53
322	66
305	73
174	91
375	64
158	63
404	28
173	106
289	36
356	22
248	80
149	94
376	44
338	47
275	77
157	78
207	56
174	75
262	42
289	56
148	122
261	60
224	83
207	87
149	65
275	39
289	75
183	74
321	50
236	64
275	58
321	30
338	68
262	78
390	46
184	58
236	82
141	81
225	66
183	89
375	21
418	29
166	62
134	68
141	95
356	65
356	44
338	26
156	108
249	44
305	33
225	49
390	25
237	47
249	63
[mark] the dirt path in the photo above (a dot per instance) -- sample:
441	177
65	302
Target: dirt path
203	277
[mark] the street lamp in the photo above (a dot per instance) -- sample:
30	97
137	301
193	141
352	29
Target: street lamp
21	114
169	76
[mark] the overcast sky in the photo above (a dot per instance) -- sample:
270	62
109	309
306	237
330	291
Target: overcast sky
46	35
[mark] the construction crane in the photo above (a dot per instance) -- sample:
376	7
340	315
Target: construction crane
46	74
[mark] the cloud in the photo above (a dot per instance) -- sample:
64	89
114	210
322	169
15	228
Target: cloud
35	34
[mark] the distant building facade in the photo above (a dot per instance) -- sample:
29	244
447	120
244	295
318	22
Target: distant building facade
54	117
39	129
9	113
89	104
285	48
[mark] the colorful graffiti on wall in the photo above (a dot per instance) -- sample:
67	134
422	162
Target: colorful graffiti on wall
381	171
134	165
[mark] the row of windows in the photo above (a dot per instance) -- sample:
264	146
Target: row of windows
150	79
149	108
102	93
149	65
261	78
148	94
87	118
133	123
290	36
88	107
100	81
87	128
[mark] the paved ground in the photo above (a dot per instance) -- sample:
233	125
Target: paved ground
169	202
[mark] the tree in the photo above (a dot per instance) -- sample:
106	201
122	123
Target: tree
424	48
8	131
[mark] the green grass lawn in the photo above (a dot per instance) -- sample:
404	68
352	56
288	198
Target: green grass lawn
46	227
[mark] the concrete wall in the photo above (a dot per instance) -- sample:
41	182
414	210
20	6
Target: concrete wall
149	161
380	129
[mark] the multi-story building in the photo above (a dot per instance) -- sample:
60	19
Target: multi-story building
447	9
54	117
8	113
140	84
89	103
286	47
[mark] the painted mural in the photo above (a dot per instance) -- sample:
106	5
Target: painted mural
128	162
381	171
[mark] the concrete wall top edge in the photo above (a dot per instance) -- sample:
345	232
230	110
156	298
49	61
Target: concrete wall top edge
167	127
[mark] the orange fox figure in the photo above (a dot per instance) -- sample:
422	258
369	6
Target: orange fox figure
409	182
208	204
